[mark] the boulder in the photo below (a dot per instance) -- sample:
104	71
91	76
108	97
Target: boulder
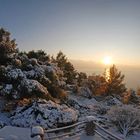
44	113
85	92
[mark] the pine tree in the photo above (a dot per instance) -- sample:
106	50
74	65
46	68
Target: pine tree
68	69
115	85
81	78
39	54
7	47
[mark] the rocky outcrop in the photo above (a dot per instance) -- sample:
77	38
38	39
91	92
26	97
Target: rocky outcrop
44	113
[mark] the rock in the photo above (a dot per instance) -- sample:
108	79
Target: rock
44	113
37	131
85	92
109	101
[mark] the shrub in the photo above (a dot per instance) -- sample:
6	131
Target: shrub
97	84
57	92
130	96
126	118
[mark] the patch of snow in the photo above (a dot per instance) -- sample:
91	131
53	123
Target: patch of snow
15	133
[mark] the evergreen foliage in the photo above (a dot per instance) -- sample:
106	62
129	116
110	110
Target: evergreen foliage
68	69
40	55
7	47
115	85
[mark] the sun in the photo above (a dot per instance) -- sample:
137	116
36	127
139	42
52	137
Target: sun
107	60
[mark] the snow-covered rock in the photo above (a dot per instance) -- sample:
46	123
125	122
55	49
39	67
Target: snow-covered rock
84	105
37	133
37	130
109	101
85	92
44	113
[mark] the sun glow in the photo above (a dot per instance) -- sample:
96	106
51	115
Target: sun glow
107	60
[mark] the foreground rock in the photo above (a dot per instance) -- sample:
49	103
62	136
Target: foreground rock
44	113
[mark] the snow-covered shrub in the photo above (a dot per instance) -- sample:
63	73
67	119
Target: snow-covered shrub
101	110
57	92
35	73
32	88
17	63
15	75
55	75
2	73
134	98
126	118
110	101
97	84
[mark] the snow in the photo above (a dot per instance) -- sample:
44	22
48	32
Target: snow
15	133
4	119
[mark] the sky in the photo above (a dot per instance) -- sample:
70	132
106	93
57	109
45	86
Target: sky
83	29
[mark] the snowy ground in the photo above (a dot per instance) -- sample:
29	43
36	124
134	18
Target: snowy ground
24	133
19	133
9	132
